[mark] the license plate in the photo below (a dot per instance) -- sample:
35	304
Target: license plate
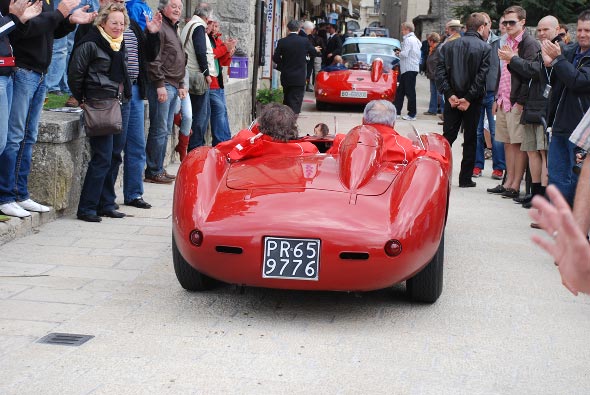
291	259
354	94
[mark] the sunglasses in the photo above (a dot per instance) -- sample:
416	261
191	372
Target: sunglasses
509	23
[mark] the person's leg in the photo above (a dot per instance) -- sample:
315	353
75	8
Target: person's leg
201	110
158	133
479	147
411	93
98	167
498	156
5	105
57	68
452	123
535	164
134	158
560	161
186	111
470	120
298	92
25	153
219	122
433	104
400	93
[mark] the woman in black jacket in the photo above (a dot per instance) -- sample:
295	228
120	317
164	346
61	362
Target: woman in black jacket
98	70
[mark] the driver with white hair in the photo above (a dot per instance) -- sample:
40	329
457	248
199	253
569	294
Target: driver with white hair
381	114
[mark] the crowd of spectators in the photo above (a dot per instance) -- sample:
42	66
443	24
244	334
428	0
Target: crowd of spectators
121	49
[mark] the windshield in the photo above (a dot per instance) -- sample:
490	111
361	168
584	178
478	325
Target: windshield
363	61
368	48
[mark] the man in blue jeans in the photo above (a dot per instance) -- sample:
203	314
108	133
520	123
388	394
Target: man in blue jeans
570	99
166	74
487	106
32	45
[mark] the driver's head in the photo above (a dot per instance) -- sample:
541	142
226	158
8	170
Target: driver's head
278	122
337	59
380	112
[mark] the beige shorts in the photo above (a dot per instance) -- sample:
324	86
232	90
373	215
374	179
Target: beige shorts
534	139
508	127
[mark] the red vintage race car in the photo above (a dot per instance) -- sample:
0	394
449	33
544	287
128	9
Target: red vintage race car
344	222
371	73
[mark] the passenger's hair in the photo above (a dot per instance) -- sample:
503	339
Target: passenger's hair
408	25
584	16
381	112
434	37
323	128
516	9
308	25
293	25
279	122
203	10
475	21
104	12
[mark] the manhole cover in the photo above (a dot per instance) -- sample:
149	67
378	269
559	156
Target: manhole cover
65	339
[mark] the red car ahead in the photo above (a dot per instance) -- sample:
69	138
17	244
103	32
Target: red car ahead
347	222
371	73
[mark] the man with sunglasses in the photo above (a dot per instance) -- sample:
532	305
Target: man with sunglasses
511	97
570	99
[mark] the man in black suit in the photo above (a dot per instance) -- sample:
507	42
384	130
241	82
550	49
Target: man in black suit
291	56
333	45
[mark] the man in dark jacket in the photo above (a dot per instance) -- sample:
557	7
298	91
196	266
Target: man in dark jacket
333	45
461	77
570	99
291	56
32	44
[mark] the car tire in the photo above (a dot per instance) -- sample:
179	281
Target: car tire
427	285
321	106
188	277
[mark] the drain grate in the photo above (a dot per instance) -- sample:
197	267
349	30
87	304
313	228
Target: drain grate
65	339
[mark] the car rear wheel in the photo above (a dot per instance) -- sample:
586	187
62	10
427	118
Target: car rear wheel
188	277
321	106
427	285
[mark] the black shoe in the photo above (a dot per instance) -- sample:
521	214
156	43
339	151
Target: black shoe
510	193
467	185
498	189
115	206
309	88
524	199
527	205
89	217
139	203
111	214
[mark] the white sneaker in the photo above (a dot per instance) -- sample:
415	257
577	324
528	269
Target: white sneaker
408	118
32	205
14	210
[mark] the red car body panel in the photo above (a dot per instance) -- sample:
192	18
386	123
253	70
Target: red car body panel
329	86
352	202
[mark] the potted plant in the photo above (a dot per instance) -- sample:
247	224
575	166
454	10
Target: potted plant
268	95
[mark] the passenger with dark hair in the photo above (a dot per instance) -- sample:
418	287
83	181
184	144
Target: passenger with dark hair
275	133
321	130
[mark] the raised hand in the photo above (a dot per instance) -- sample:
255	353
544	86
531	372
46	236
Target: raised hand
155	24
66	6
33	9
81	17
506	53
549	51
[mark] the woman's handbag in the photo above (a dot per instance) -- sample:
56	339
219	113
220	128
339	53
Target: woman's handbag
102	117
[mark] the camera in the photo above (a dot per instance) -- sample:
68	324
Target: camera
580	156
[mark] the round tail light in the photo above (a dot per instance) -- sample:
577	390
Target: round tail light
196	237
393	248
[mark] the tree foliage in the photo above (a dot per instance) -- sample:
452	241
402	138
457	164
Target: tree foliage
565	10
